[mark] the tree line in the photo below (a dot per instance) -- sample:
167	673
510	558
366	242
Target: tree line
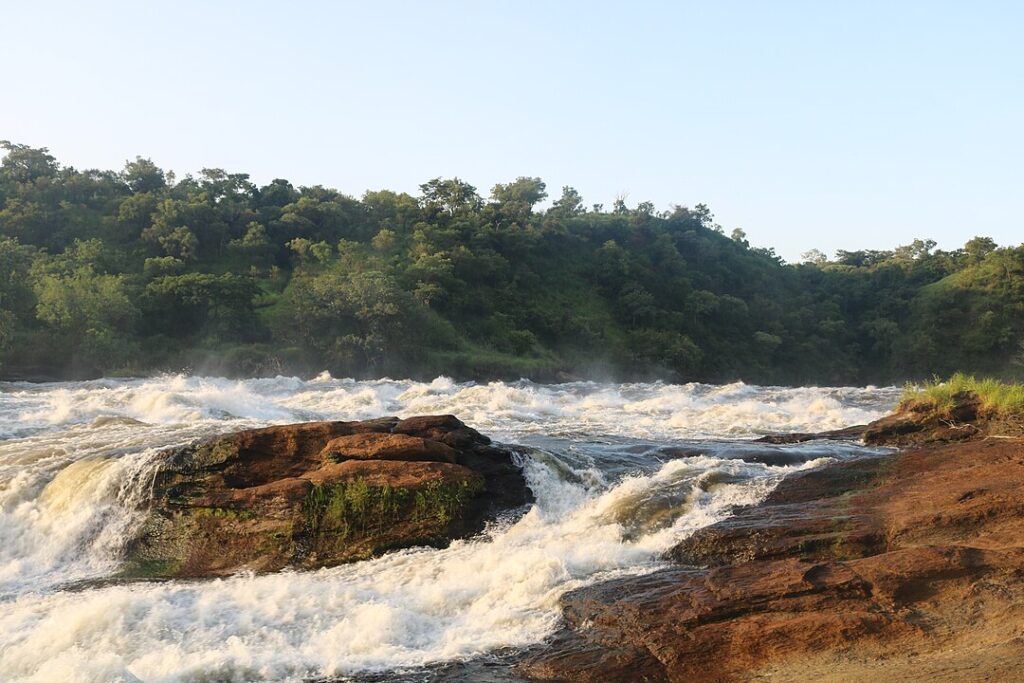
137	271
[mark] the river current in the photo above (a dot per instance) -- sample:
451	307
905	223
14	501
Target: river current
621	472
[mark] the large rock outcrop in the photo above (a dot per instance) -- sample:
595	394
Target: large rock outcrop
903	567
321	493
918	422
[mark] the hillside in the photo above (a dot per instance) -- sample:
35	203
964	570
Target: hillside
135	271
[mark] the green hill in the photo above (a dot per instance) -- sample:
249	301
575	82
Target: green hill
133	271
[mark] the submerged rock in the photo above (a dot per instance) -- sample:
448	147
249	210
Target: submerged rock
321	493
853	433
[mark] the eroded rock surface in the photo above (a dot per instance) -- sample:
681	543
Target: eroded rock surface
916	423
321	493
902	567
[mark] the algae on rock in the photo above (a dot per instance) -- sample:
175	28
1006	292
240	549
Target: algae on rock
288	496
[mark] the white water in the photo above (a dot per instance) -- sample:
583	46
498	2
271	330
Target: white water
74	460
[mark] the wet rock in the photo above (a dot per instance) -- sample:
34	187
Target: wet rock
321	493
854	433
909	562
771	455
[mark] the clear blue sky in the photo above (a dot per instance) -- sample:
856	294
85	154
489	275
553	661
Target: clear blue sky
808	124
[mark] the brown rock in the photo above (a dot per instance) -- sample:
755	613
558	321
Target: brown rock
428	423
320	493
903	567
377	446
447	429
915	423
392	473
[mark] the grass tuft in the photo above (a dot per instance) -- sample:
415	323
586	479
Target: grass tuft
996	397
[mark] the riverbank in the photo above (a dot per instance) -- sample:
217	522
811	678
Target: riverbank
906	567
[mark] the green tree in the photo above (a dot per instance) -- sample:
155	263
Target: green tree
449	195
142	176
569	204
90	313
516	200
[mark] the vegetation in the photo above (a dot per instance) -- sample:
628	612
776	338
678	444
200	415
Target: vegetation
135	271
356	507
997	398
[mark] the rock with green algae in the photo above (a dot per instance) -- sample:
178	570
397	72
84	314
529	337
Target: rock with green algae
320	493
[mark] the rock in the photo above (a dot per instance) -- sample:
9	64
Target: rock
901	567
918	423
376	446
853	433
758	452
320	493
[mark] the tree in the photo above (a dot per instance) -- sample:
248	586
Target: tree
202	305
978	248
393	210
916	250
814	257
637	304
619	205
517	199
185	228
16	296
24	164
449	195
90	313
308	250
254	248
142	175
180	243
355	319
385	240
569	204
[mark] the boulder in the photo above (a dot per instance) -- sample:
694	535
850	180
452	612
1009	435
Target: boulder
320	493
900	567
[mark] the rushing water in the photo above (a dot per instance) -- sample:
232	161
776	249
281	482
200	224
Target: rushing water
620	472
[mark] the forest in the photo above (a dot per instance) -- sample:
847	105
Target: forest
136	271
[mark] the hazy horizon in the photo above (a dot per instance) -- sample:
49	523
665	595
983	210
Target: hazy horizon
806	126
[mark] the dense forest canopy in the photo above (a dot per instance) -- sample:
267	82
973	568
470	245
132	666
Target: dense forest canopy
133	271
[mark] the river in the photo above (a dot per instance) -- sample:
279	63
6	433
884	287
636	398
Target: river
621	472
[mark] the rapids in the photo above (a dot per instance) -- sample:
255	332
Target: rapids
620	472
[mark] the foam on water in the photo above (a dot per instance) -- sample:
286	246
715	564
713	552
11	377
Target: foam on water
78	458
634	410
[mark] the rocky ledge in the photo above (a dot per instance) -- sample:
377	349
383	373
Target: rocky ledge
904	567
321	493
918	422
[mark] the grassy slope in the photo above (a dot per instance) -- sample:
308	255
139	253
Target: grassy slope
997	397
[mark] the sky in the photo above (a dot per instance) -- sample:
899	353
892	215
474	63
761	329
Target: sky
827	125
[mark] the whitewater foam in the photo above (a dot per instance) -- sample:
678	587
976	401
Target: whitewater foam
406	609
633	410
78	457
